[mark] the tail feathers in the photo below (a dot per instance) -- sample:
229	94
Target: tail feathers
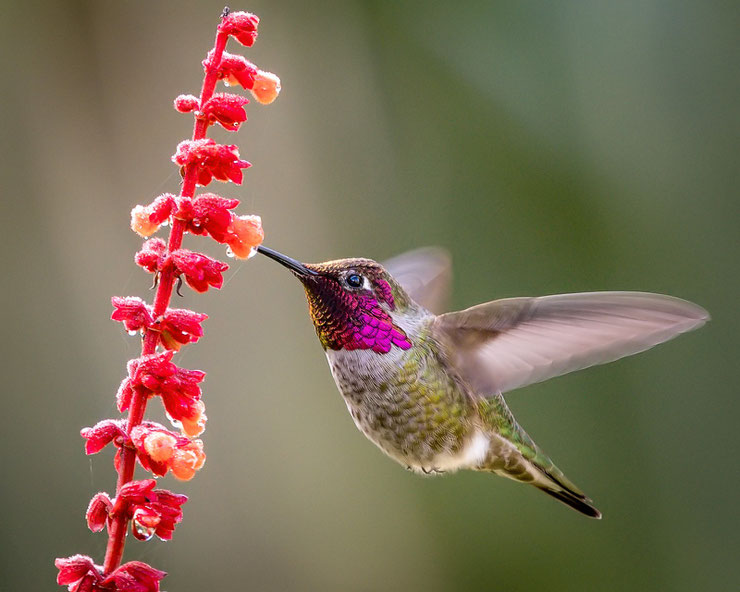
563	489
578	502
512	453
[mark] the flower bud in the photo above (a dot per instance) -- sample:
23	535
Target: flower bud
266	87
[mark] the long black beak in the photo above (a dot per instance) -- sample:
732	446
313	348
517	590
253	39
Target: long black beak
288	262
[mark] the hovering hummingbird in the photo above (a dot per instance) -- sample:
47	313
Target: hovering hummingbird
427	388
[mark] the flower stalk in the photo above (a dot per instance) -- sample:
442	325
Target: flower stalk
165	330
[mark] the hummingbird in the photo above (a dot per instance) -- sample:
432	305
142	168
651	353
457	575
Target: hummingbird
427	387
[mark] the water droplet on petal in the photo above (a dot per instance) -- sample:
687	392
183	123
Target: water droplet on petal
132	333
165	223
173	421
229	252
141	532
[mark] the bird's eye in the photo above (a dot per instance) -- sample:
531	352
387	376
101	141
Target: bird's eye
354	280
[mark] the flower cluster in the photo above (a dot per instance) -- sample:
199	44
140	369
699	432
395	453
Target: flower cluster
80	574
176	327
157	449
207	214
151	511
164	330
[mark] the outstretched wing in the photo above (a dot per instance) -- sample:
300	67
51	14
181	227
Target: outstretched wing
425	274
510	343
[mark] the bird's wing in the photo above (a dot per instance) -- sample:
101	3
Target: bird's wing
425	274
510	343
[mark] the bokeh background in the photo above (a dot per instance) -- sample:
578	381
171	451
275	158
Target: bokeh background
550	147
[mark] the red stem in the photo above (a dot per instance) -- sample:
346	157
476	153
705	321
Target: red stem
119	526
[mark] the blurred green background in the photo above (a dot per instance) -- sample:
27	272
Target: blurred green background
551	147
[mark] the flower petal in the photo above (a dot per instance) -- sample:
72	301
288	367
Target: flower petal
240	25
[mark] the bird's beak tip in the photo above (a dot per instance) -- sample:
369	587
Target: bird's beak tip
293	264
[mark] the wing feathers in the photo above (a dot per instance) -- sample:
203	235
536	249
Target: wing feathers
425	274
507	344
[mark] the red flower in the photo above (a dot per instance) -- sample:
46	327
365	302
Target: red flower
186	103
98	511
133	576
134	492
103	433
178	327
152	255
146	220
266	87
162	514
226	109
200	271
153	511
181	394
187	460
178	387
241	25
208	213
159	450
78	573
245	234
211	160
133	312
234	69
194	424
155	445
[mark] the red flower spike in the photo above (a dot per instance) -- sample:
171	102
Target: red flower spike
245	234
132	311
266	87
179	326
240	25
78	573
133	576
102	434
152	255
207	214
211	160
200	271
234	70
154	511
98	511
146	220
186	103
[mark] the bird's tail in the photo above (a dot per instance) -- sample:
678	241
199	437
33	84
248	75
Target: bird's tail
571	497
513	454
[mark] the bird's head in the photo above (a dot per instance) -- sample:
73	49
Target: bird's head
355	304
